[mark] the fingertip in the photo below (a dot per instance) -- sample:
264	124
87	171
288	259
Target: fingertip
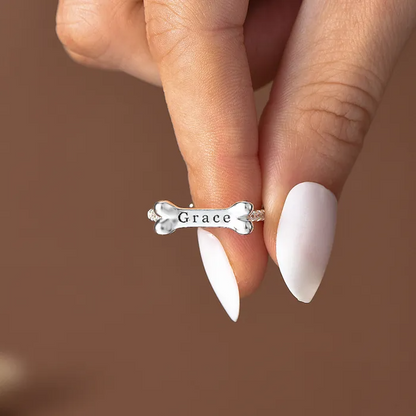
219	272
305	237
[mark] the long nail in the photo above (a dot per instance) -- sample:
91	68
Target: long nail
304	238
219	272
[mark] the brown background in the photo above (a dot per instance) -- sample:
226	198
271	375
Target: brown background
111	319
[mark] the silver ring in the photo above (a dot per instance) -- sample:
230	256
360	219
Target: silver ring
239	217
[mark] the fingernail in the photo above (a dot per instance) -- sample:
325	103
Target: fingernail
219	272
304	238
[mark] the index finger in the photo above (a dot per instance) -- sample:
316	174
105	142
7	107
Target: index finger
202	61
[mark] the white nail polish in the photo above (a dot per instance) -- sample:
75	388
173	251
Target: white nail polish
305	236
219	272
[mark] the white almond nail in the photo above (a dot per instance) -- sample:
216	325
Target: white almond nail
305	236
219	272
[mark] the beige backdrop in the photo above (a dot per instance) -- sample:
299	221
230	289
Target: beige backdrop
112	319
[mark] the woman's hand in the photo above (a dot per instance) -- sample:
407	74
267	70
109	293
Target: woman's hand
330	61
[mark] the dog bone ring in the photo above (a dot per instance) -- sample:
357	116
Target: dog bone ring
239	217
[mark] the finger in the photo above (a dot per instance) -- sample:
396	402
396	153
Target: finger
108	34
111	35
205	75
337	63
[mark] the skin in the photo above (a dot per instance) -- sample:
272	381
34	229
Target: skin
329	60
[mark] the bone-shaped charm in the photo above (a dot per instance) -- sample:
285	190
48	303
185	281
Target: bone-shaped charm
169	217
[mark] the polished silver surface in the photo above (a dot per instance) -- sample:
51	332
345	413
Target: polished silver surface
239	217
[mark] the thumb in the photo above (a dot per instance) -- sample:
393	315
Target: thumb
332	76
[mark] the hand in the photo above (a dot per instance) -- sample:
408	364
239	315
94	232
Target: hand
330	61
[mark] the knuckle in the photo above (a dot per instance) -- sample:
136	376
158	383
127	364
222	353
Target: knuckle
336	114
85	61
79	59
167	28
81	29
172	27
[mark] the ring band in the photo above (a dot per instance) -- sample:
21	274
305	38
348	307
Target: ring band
239	217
